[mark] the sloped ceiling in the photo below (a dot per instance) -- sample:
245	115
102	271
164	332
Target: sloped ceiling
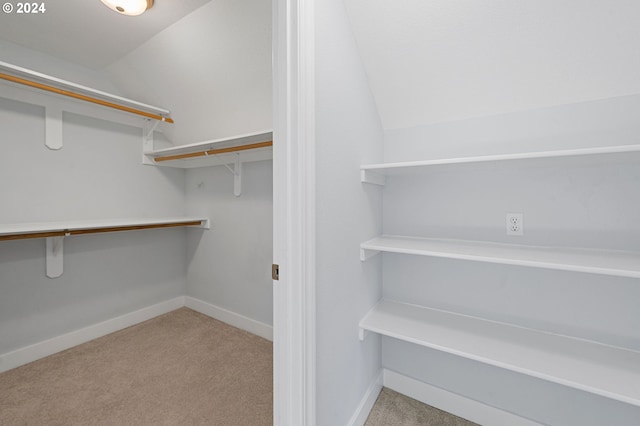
442	60
88	33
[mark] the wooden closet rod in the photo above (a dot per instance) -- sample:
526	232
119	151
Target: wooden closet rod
83	97
67	232
215	151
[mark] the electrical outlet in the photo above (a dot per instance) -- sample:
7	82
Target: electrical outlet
515	224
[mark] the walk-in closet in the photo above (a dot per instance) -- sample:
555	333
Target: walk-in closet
136	181
320	212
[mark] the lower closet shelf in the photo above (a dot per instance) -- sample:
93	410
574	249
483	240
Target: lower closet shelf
54	233
593	367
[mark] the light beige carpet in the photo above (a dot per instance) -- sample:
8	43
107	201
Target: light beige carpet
182	368
394	409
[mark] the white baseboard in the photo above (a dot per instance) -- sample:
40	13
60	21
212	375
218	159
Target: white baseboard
244	323
450	402
65	341
368	400
56	344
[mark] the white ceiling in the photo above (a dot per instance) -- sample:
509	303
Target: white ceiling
88	33
443	60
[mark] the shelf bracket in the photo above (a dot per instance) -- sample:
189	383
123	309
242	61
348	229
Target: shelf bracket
362	333
54	251
53	127
366	254
149	134
237	175
373	178
147	139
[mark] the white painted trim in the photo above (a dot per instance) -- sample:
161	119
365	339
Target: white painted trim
366	404
60	343
294	212
452	403
239	321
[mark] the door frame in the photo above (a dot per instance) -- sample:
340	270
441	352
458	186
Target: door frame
294	211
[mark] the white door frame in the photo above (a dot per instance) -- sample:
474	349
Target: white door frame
294	212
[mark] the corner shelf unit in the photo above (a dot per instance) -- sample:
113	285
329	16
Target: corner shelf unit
55	232
593	367
375	173
617	263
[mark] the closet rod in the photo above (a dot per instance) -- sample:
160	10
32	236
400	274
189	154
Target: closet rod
215	151
83	97
67	232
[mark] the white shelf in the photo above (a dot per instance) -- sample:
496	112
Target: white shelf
28	230
55	232
79	89
617	263
256	154
374	173
600	369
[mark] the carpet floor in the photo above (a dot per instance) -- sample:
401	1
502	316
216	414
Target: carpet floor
182	368
394	409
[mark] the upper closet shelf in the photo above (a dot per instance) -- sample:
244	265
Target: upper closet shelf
375	173
592	367
58	86
603	262
244	148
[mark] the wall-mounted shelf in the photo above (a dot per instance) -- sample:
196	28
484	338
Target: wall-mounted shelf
18	76
220	152
375	173
54	232
617	263
589	366
58	86
252	147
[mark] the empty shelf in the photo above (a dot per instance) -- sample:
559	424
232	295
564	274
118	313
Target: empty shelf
600	369
58	86
254	147
618	263
374	173
52	229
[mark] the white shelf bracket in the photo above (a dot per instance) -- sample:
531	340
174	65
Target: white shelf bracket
237	176
55	256
372	178
366	254
147	140
362	333
53	127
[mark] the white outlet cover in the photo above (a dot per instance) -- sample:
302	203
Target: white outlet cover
515	224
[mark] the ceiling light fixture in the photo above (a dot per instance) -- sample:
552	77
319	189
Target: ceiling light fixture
129	7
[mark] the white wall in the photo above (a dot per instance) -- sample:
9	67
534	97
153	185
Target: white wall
212	69
230	265
96	175
348	133
440	60
47	64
